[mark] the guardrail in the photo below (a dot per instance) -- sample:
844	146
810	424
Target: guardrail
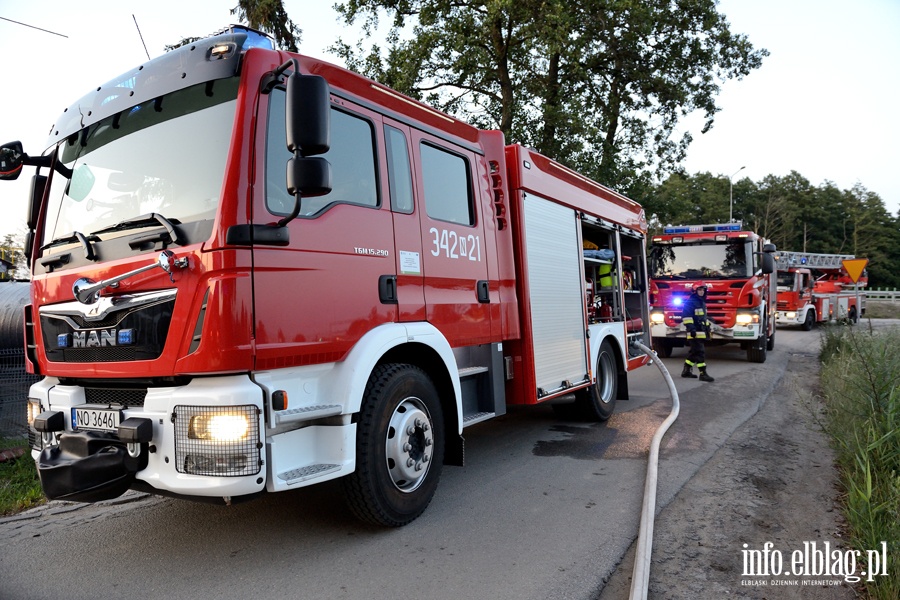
893	295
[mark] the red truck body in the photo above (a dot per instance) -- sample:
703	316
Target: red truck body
737	267
211	328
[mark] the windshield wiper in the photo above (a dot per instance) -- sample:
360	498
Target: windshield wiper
145	221
75	236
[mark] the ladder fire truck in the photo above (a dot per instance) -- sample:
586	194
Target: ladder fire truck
212	325
816	288
736	265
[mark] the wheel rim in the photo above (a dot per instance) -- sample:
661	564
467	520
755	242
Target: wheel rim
607	365
409	444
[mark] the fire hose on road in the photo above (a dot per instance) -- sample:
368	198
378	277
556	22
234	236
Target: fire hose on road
640	578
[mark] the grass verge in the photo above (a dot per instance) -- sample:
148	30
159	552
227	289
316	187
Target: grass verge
862	396
20	488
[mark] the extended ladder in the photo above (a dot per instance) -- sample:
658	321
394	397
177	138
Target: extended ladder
811	260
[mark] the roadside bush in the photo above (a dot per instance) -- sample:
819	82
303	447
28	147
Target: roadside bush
861	387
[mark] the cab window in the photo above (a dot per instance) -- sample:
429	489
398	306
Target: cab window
446	184
352	158
399	174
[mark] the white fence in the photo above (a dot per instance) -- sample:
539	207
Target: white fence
880	294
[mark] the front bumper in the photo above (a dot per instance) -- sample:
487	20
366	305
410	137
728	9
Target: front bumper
789	317
737	333
89	465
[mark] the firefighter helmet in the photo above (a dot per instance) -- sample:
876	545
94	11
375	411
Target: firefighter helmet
698	285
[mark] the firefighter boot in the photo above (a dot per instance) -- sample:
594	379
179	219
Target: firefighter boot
704	376
687	371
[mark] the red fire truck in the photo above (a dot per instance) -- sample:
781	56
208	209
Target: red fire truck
737	267
255	271
816	288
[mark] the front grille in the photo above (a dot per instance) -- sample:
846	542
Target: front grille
83	355
147	327
132	398
109	321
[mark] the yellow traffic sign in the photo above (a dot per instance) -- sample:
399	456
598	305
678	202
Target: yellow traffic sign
855	267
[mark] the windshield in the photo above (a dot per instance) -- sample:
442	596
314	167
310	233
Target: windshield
164	156
785	281
707	261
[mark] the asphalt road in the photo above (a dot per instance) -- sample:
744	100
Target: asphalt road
543	509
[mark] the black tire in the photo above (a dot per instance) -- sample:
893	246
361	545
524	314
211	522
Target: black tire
810	320
662	347
756	352
598	402
399	447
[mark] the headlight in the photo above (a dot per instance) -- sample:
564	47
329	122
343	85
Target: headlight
746	318
221	441
219	428
657	317
791	315
34	409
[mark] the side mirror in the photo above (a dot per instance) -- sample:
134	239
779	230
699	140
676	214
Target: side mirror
12	157
768	262
769	248
308	114
308	177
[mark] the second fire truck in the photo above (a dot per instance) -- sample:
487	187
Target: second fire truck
736	265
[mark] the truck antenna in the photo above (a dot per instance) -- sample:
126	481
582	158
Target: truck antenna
141	35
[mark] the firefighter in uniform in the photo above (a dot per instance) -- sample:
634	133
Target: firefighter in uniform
693	315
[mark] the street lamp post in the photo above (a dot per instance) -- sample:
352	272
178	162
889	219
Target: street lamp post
731	195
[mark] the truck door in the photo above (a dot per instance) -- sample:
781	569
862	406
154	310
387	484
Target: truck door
401	189
316	297
454	262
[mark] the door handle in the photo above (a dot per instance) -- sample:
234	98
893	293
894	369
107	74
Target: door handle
483	290
387	289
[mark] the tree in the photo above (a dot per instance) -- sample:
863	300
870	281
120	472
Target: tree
599	85
774	209
791	212
13	264
270	16
682	199
265	15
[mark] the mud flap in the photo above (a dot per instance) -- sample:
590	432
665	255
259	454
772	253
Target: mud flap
87	467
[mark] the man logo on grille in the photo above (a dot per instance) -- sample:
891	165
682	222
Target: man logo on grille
100	338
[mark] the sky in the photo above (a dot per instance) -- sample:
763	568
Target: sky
824	103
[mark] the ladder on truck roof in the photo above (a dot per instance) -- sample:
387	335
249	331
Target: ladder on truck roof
811	260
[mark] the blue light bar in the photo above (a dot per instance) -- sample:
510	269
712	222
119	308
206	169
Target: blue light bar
703	228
